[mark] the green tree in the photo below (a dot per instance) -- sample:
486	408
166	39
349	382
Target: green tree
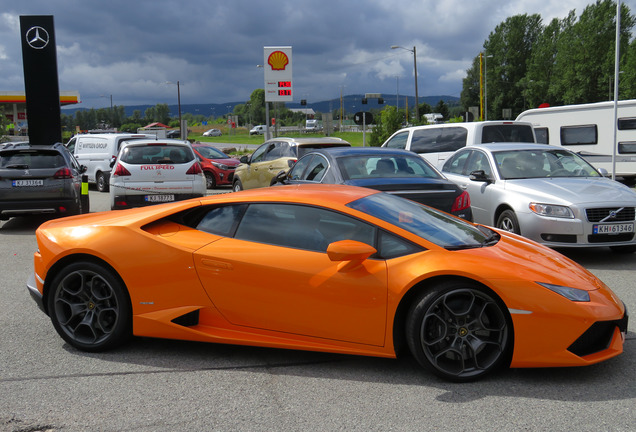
442	108
386	123
584	60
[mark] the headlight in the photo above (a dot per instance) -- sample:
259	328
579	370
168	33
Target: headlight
551	210
220	165
574	294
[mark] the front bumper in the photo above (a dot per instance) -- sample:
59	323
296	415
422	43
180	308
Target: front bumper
36	295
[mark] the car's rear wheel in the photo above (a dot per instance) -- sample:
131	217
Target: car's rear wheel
459	331
237	186
89	307
101	183
508	221
210	182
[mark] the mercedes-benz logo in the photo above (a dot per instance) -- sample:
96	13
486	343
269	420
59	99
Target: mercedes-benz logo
37	37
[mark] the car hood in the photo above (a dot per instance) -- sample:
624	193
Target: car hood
228	162
565	190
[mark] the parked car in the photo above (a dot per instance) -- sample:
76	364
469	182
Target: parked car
258	130
245	268
397	172
276	155
548	194
97	150
212	132
36	180
437	142
148	172
173	133
218	167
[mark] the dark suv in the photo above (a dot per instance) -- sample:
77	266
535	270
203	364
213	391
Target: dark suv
36	179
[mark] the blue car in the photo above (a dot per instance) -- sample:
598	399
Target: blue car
398	172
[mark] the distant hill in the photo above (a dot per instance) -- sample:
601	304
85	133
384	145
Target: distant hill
352	103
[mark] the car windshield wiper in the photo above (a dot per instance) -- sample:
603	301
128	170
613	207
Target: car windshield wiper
17	166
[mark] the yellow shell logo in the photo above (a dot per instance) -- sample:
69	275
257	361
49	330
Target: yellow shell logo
278	60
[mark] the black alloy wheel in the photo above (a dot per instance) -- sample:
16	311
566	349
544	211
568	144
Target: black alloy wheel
89	307
460	331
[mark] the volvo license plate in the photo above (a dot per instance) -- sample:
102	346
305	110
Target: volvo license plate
618	228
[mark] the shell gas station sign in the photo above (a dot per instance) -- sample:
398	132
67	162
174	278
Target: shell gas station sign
278	74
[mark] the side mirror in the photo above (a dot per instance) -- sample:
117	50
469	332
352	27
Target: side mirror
480	175
351	252
84	168
112	162
244	159
281	177
603	172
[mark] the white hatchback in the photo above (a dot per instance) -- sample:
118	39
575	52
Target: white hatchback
148	172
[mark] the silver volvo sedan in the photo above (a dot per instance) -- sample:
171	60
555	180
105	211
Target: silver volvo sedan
548	194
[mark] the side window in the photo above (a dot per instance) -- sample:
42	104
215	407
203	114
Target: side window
453	138
222	220
455	164
259	154
478	161
391	246
71	145
277	150
426	140
398	141
628	123
301	227
316	169
296	172
542	134
578	135
627	147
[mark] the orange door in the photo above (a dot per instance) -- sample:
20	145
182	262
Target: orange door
294	291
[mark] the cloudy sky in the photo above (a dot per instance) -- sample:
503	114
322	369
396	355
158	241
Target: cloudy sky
130	49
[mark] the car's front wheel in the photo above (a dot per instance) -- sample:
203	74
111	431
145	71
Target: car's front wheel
210	182
508	221
101	182
89	307
237	186
459	331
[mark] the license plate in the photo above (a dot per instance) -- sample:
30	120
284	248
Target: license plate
613	228
159	198
22	183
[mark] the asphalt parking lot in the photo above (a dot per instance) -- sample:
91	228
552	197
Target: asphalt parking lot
161	385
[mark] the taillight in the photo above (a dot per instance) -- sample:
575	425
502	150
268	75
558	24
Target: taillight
63	173
195	169
291	162
461	202
121	170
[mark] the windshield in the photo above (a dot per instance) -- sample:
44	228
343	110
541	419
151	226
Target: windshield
379	165
156	154
430	224
209	152
522	164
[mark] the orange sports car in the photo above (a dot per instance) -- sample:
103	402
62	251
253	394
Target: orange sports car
325	268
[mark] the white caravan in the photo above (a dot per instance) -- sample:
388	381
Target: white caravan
588	129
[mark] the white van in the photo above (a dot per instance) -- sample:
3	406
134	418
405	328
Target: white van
96	151
588	129
436	143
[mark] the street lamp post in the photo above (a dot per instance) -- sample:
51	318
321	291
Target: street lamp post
181	128
486	86
417	102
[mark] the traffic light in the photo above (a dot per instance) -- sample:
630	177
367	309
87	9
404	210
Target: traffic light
303	102
380	101
364	101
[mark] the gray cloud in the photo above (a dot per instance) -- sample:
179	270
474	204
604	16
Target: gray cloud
129	49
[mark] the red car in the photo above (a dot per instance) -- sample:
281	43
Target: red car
217	166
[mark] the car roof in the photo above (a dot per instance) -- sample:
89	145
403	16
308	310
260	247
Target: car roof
503	146
353	151
309	141
24	145
157	141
